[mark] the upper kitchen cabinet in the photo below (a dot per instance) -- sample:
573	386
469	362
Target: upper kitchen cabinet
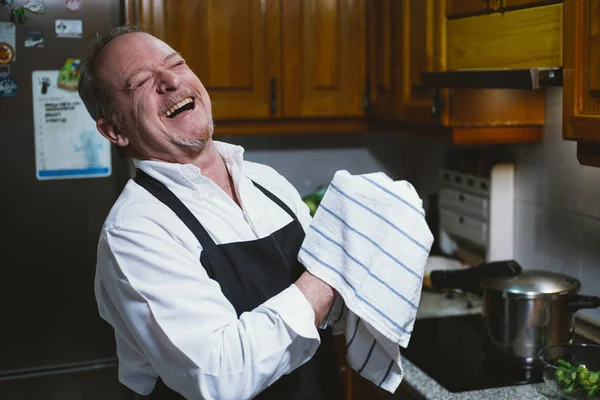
233	46
457	8
581	88
405	39
462	8
383	38
323	58
423	49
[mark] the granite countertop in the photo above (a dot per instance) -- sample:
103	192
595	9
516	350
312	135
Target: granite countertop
420	385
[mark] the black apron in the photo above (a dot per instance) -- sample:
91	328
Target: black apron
249	274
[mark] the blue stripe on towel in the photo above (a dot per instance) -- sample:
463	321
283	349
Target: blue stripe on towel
321	206
391	321
420	212
362	368
378	279
387	373
379	216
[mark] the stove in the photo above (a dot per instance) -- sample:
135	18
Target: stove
450	350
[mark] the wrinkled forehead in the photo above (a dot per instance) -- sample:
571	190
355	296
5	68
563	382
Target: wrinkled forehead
128	53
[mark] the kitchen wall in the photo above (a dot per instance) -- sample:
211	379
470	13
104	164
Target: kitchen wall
309	161
557	202
558	206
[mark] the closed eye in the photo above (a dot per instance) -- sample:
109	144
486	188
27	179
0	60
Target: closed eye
178	63
140	83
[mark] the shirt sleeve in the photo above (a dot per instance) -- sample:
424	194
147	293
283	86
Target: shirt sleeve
181	323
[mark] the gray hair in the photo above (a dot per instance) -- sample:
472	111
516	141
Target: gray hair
92	90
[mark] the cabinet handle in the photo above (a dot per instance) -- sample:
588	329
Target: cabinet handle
436	103
366	95
273	94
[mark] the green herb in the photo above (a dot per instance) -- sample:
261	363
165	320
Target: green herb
577	379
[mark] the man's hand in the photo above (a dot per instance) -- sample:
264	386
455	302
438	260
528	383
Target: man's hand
319	294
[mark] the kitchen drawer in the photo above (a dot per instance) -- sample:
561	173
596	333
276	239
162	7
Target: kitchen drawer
465	203
464	226
465	182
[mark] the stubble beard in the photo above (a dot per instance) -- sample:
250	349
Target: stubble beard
199	141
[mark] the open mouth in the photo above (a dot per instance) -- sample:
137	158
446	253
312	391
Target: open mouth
184	105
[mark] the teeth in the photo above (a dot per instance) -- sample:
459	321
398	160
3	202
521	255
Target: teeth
177	106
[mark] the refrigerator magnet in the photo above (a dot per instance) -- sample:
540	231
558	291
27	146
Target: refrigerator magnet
35	38
7	53
68	28
35	6
8	87
4	70
73	5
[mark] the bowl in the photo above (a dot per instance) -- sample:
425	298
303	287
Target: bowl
572	371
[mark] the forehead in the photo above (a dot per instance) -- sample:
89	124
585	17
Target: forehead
128	53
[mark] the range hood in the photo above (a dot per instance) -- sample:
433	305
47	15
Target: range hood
532	78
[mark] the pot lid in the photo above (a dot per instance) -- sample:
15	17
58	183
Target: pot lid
533	283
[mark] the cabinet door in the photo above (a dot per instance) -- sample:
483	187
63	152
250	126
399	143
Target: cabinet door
232	45
323	58
581	86
382	43
512	4
423	50
457	8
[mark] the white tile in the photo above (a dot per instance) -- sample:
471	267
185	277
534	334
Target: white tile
590	263
591	191
529	177
561	240
563	176
527	234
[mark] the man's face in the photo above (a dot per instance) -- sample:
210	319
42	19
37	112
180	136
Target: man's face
165	109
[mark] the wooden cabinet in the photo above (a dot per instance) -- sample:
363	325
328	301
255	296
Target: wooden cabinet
405	38
231	45
581	86
383	39
423	49
323	58
267	59
457	8
464	8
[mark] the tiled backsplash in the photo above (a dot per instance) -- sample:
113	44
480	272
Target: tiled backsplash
558	206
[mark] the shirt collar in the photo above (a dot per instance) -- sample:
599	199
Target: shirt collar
172	174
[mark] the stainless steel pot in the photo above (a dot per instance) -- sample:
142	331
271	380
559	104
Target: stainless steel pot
524	313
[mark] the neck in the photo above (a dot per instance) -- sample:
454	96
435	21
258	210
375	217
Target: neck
213	167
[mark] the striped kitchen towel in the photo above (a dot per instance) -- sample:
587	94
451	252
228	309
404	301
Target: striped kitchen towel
369	240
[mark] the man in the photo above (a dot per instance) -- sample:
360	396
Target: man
197	269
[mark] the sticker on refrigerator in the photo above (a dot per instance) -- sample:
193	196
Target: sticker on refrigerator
68	28
67	144
8	49
35	6
8	87
35	38
4	70
73	5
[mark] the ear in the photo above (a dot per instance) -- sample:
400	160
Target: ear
111	132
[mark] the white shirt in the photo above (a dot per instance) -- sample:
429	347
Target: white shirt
170	318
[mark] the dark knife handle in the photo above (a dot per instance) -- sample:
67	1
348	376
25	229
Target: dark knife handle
470	279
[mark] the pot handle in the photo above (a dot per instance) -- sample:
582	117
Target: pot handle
470	279
579	302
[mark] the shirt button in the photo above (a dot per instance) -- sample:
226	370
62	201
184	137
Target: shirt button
196	195
305	352
189	172
212	195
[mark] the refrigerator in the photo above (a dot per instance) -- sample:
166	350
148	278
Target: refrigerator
53	344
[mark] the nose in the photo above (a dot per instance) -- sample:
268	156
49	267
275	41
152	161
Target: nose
168	81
